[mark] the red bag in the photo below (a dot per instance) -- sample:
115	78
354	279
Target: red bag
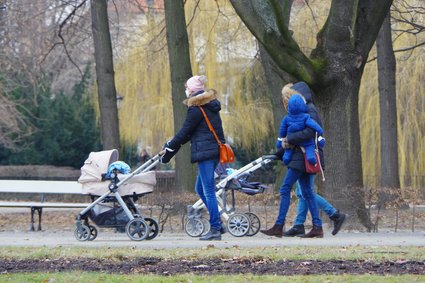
310	168
226	152
316	168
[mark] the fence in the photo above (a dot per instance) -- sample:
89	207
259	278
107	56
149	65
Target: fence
413	183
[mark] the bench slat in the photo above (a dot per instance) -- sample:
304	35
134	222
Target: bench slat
41	187
43	204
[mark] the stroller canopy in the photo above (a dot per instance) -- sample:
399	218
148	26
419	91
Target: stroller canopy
97	164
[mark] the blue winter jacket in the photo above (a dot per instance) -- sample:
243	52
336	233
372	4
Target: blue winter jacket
298	119
203	145
297	161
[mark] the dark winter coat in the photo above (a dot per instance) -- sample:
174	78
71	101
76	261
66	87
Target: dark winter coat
203	145
297	161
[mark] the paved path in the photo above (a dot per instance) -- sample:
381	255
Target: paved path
107	238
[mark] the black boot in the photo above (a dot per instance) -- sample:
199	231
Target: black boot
338	219
316	232
223	229
276	230
213	234
296	230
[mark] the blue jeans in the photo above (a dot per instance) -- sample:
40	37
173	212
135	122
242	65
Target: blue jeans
302	208
306	184
205	188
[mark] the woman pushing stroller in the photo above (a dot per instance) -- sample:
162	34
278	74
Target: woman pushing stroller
204	148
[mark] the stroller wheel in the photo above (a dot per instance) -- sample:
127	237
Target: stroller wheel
93	233
255	224
82	233
238	224
194	227
153	228
137	229
207	226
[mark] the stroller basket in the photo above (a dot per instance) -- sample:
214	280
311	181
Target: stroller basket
108	215
252	188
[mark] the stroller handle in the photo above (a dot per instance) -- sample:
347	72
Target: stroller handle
152	162
271	157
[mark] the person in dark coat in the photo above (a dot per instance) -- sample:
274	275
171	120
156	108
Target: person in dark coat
298	164
204	148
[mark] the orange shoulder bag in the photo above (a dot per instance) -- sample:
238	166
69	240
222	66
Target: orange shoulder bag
226	152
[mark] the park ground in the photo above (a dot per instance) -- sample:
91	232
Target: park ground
55	253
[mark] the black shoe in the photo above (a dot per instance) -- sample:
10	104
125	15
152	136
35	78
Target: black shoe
223	229
213	234
338	219
296	230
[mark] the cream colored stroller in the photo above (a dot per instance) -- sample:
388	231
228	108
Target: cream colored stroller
113	197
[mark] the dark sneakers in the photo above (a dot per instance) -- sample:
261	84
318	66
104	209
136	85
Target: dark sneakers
276	230
316	232
296	230
212	235
338	219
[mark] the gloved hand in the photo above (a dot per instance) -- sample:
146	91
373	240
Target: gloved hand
321	142
279	153
286	144
279	143
167	153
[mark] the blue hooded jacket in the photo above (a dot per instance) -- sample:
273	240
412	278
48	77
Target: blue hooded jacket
297	161
298	119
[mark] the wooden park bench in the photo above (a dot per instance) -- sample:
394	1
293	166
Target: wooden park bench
42	188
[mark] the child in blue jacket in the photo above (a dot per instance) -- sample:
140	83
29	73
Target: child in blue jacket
297	120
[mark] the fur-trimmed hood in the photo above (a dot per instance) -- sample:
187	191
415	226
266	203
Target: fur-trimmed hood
204	146
202	98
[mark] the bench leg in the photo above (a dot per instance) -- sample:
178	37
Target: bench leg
32	219
40	212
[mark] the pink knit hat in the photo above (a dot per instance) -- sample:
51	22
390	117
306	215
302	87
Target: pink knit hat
196	83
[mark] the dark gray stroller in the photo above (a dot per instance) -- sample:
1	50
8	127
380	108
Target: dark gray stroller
113	197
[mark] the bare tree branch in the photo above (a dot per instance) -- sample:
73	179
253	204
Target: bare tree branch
401	50
68	18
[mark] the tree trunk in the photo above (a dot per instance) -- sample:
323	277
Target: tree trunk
107	93
181	70
276	78
343	187
388	107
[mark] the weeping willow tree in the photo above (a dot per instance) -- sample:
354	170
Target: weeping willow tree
221	48
410	114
